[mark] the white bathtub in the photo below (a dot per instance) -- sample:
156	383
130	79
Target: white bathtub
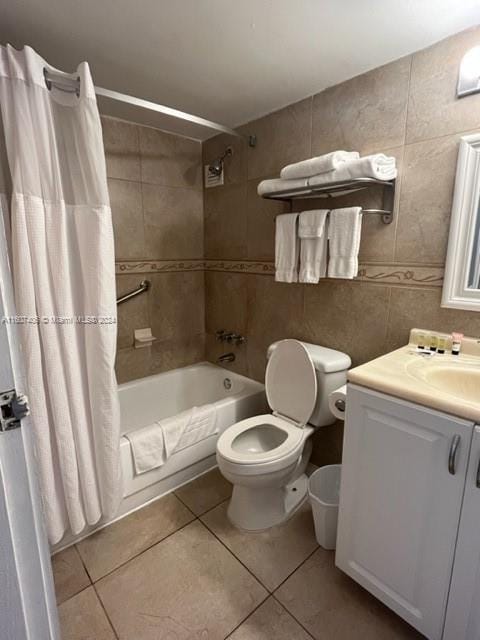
147	400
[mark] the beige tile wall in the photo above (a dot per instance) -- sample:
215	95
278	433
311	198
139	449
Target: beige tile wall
407	108
155	185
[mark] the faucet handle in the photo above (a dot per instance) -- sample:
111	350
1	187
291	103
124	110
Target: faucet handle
236	338
219	335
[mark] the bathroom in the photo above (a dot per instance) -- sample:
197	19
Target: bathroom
257	87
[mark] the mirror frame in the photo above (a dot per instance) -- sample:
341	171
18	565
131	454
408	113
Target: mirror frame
465	209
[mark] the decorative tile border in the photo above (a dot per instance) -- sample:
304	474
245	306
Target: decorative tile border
384	273
402	274
241	266
158	266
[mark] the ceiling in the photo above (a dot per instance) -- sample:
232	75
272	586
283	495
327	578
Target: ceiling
226	60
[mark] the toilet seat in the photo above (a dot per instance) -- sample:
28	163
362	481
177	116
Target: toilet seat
248	462
275	440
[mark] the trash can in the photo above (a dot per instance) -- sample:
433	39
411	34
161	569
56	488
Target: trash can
323	492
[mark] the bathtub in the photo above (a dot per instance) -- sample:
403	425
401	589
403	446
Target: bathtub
162	395
147	400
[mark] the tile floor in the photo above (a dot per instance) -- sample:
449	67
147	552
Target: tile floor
178	570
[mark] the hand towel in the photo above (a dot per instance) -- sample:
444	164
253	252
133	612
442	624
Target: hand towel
286	248
153	445
276	184
312	231
320	164
376	166
344	232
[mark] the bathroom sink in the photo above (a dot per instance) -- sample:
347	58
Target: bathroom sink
458	379
445	382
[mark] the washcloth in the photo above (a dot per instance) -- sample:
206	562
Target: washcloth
276	184
378	166
320	164
286	248
153	445
312	231
344	232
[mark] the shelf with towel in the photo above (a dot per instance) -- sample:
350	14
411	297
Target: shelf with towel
343	187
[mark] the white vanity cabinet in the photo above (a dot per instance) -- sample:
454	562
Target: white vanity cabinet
463	610
403	477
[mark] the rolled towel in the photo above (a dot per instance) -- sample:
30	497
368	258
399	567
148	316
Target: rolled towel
276	184
377	166
320	164
286	248
344	232
312	231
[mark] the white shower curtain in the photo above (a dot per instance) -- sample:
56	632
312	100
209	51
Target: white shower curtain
64	277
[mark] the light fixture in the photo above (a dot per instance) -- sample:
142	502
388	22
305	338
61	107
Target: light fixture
469	74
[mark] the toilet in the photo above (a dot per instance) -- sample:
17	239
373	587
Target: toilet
265	457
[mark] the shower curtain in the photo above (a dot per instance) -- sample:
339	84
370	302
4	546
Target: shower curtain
64	279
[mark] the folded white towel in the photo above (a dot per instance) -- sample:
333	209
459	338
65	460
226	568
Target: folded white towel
203	423
276	184
320	164
286	248
153	445
312	232
344	232
376	166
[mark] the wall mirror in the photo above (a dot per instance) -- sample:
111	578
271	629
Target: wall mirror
461	288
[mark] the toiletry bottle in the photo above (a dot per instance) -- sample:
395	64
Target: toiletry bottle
421	341
433	342
442	343
456	343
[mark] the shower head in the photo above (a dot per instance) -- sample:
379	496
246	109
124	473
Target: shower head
215	168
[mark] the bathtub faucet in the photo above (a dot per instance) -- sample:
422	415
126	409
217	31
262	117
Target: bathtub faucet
226	357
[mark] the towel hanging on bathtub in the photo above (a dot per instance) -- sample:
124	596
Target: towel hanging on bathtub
153	445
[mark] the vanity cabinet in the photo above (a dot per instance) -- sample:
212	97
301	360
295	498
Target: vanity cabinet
463	611
403	478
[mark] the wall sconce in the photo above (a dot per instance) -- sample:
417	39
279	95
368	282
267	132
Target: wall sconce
469	74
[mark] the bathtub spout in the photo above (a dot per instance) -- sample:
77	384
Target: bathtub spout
226	357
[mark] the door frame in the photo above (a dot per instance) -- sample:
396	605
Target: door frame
28	608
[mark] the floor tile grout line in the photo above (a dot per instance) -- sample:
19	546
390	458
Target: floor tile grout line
269	595
293	616
271	592
236	558
300	565
83	564
106	613
154	544
59	604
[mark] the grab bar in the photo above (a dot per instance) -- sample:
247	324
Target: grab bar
144	286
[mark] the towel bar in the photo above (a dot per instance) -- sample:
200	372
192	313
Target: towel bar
344	187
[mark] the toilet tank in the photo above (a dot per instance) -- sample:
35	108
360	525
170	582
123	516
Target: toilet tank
331	368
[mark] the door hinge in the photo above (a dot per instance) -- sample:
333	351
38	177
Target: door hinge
13	408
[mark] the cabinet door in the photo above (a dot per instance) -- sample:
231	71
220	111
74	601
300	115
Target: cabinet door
400	503
463	611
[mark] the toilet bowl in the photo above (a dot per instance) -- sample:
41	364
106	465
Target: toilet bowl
265	457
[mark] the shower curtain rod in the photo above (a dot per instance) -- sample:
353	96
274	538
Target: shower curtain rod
160	108
63	83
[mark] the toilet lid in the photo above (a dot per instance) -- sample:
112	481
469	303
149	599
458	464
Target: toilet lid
290	382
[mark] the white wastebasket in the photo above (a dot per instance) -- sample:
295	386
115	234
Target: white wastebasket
324	491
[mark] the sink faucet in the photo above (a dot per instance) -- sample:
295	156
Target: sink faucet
226	357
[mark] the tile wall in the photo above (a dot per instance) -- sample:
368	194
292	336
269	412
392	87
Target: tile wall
407	108
155	185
